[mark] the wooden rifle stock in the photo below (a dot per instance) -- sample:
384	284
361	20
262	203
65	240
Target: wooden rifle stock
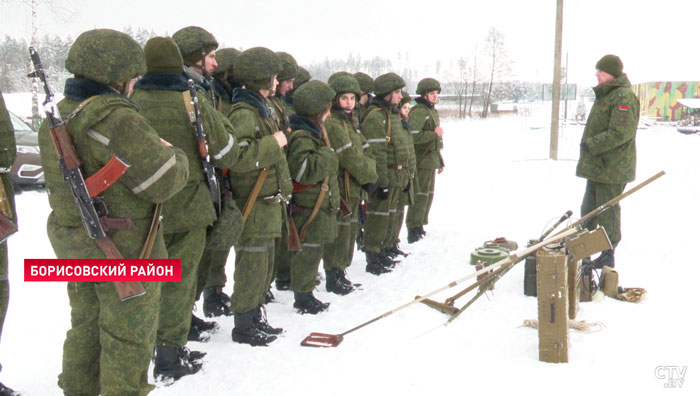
345	210
293	239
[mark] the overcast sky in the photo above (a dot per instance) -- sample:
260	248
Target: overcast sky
654	39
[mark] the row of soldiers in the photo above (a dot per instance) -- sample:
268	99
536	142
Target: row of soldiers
297	160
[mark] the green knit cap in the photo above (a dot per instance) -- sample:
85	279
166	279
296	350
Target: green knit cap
312	98
162	56
610	64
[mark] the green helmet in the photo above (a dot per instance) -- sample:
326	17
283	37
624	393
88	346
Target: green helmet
194	43
337	74
106	56
289	67
256	66
224	59
302	78
405	98
428	85
366	82
312	98
162	56
344	84
386	83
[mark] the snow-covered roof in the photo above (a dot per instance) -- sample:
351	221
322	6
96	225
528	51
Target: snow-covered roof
693	103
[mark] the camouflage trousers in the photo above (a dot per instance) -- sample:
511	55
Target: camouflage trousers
304	267
211	271
417	215
110	344
4	285
282	259
255	261
396	217
596	195
177	298
338	255
378	223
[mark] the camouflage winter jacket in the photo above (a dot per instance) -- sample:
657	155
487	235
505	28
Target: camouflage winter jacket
160	96
310	162
609	154
8	153
356	162
110	126
258	149
281	112
390	144
424	119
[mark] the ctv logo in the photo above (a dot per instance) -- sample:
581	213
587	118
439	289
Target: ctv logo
674	375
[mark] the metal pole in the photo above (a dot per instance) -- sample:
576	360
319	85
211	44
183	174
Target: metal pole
556	83
566	88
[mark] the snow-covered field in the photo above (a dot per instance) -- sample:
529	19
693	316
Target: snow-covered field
498	182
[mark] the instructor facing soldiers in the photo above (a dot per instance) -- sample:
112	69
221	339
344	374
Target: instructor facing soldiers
110	343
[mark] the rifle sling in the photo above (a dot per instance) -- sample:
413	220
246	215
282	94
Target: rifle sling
317	207
150	239
254	193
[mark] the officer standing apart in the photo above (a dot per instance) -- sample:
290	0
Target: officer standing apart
8	153
110	343
165	101
390	145
427	139
260	183
608	154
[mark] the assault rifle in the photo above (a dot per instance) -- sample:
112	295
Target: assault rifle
69	162
207	166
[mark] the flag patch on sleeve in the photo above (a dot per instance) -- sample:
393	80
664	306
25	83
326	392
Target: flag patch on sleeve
623	108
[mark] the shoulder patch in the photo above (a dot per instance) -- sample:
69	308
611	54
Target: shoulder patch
623	108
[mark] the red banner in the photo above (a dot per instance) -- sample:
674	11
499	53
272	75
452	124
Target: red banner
102	270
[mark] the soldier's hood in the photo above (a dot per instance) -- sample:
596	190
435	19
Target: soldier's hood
251	98
424	102
300	122
80	88
162	82
603	90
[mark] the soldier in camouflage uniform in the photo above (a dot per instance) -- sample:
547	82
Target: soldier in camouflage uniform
391	147
8	153
302	78
427	139
110	343
281	102
608	155
212	282
357	175
197	47
262	162
366	88
162	94
314	166
390	247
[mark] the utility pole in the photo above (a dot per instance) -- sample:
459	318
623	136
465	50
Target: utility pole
556	83
566	88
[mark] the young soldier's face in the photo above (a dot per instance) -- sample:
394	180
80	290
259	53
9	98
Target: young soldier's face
603	77
285	86
209	63
405	109
395	97
432	97
364	98
347	101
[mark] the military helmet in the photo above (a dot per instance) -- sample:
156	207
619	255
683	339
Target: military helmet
302	78
194	42
312	98
337	74
405	98
256	65
345	84
162	56
428	85
224	59
106	56
290	69
366	82
386	83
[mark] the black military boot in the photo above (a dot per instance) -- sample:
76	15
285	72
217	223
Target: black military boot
388	253
606	258
386	260
283	284
337	283
5	391
422	230
200	330
172	362
269	297
306	303
397	251
415	235
263	325
216	303
246	332
374	264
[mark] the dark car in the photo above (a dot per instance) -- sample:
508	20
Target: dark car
27	170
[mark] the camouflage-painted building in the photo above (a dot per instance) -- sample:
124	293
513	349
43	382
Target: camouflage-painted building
659	100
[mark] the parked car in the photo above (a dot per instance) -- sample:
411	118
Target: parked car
27	170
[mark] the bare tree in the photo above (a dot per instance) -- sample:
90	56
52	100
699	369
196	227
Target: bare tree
498	63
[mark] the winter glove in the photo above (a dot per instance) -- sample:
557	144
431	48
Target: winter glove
584	147
369	187
382	193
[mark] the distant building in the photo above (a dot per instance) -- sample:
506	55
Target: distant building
659	100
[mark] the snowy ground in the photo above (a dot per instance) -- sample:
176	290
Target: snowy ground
498	182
